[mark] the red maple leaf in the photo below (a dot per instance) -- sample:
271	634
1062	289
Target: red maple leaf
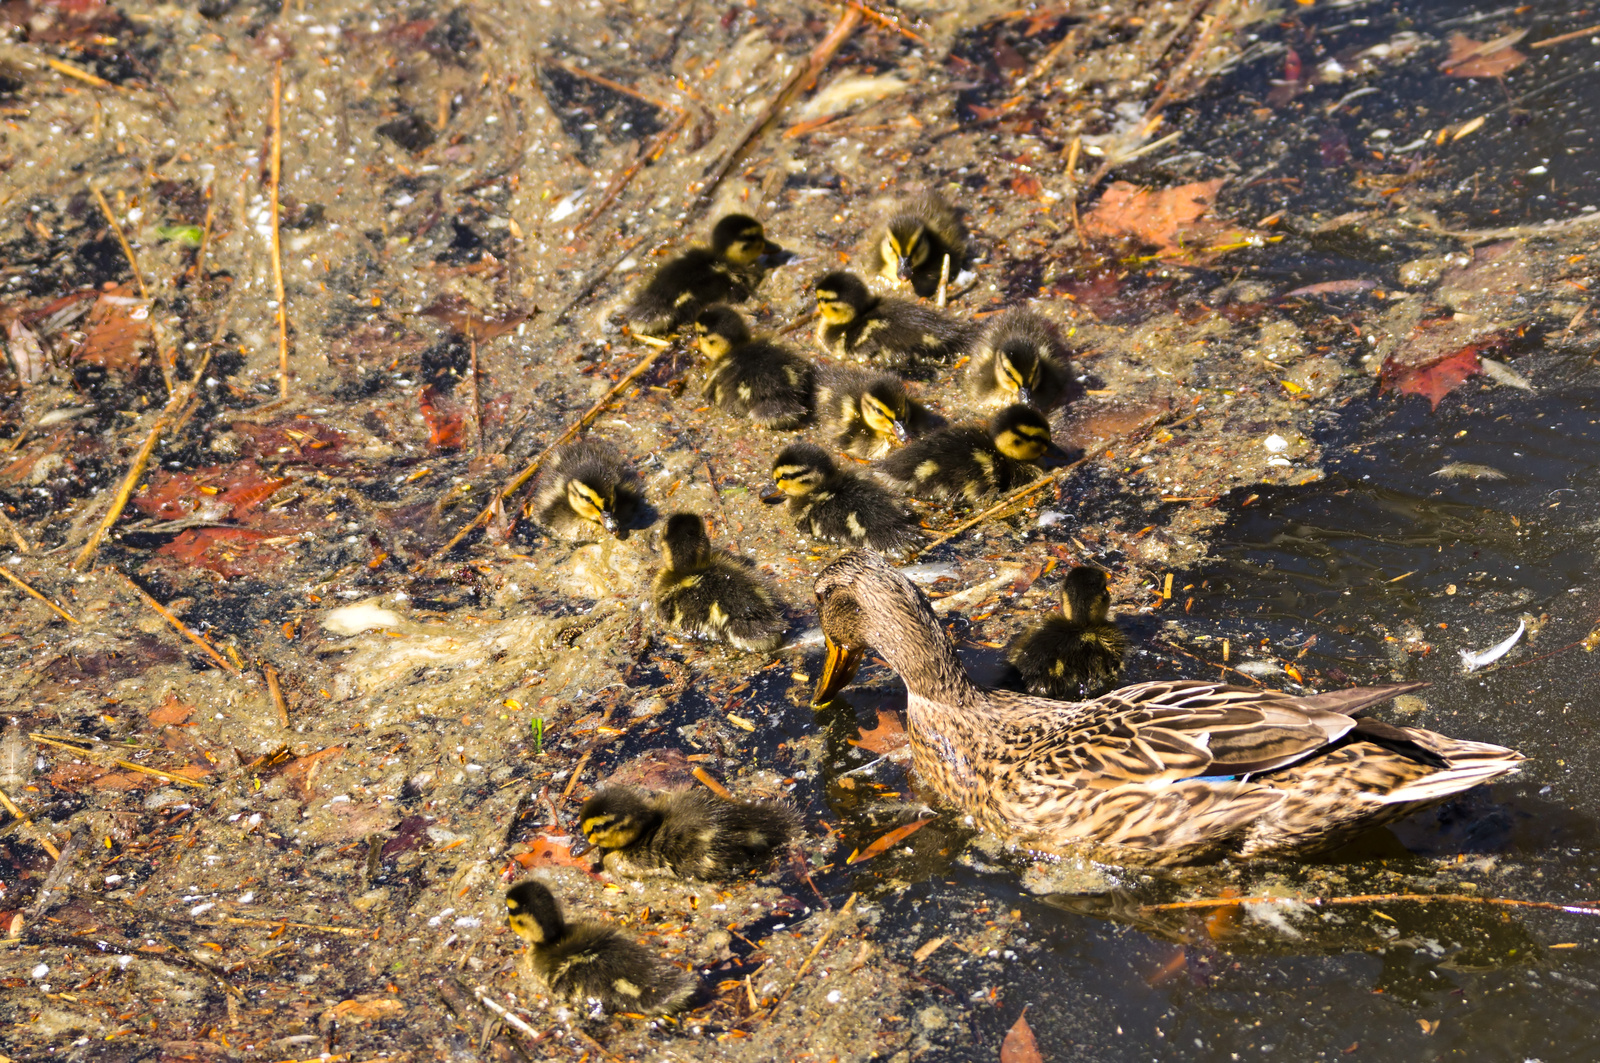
1434	379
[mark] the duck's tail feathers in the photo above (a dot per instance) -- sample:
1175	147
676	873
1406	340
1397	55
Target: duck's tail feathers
1353	700
1468	764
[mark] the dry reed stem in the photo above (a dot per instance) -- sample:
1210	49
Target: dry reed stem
277	238
30	592
16	536
1565	37
711	784
657	146
1377	898
61	66
279	702
472	384
178	625
815	950
136	468
23	818
127	249
348	931
521	479
505	1016
172	777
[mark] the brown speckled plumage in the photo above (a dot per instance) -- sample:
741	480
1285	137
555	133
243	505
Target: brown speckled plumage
1157	773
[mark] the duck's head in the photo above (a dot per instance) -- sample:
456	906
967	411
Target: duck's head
905	247
597	505
1084	597
533	913
799	469
685	542
718	330
1016	369
615	817
1020	432
863	602
885	407
841	297
740	239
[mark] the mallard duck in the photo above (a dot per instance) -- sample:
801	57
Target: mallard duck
913	244
853	323
1158	773
869	413
837	505
1076	653
707	593
972	462
690	833
585	491
1018	360
729	271
588	961
759	379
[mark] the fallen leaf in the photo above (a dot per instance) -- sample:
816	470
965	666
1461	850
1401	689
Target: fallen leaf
213	492
1019	1045
928	948
118	323
1491	59
301	772
550	850
887	737
293	441
170	711
1169	219
889	841
1027	186
359	1011
1333	288
1435	379
471	321
445	418
230	552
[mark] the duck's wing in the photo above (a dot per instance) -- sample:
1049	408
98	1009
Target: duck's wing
1168	731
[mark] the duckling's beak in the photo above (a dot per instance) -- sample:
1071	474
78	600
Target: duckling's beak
773	495
608	521
837	670
1025	396
899	432
902	268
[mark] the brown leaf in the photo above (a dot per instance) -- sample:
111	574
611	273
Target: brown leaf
889	841
550	850
471	321
235	491
118	323
230	552
1434	379
1019	1045
359	1011
1167	219
171	711
887	737
1492	59
302	771
445	418
293	441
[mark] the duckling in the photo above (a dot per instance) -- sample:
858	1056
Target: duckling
854	323
591	961
690	833
712	594
838	505
585	491
1018	359
759	379
1077	653
869	412
970	461
729	271
913	244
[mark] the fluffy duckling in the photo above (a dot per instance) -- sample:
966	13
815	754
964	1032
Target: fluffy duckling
869	413
838	505
587	961
970	461
690	833
759	379
729	271
1075	654
1018	360
587	491
853	323
707	593
913	244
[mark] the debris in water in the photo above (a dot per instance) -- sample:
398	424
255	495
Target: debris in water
1463	470
1475	660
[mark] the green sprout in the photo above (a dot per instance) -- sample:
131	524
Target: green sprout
536	725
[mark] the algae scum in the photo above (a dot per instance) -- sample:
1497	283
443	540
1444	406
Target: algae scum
1338	359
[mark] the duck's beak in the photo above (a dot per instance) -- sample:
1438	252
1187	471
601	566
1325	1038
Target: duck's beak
608	521
902	269
773	495
899	432
837	670
1025	396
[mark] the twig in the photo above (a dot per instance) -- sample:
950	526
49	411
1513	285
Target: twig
1209	664
472	384
277	239
1378	898
815	63
30	592
614	86
657	146
184	780
599	275
61	66
817	948
347	931
520	480
887	21
1565	37
22	817
127	250
507	1017
178	625
22	544
711	784
583	761
276	691
136	470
